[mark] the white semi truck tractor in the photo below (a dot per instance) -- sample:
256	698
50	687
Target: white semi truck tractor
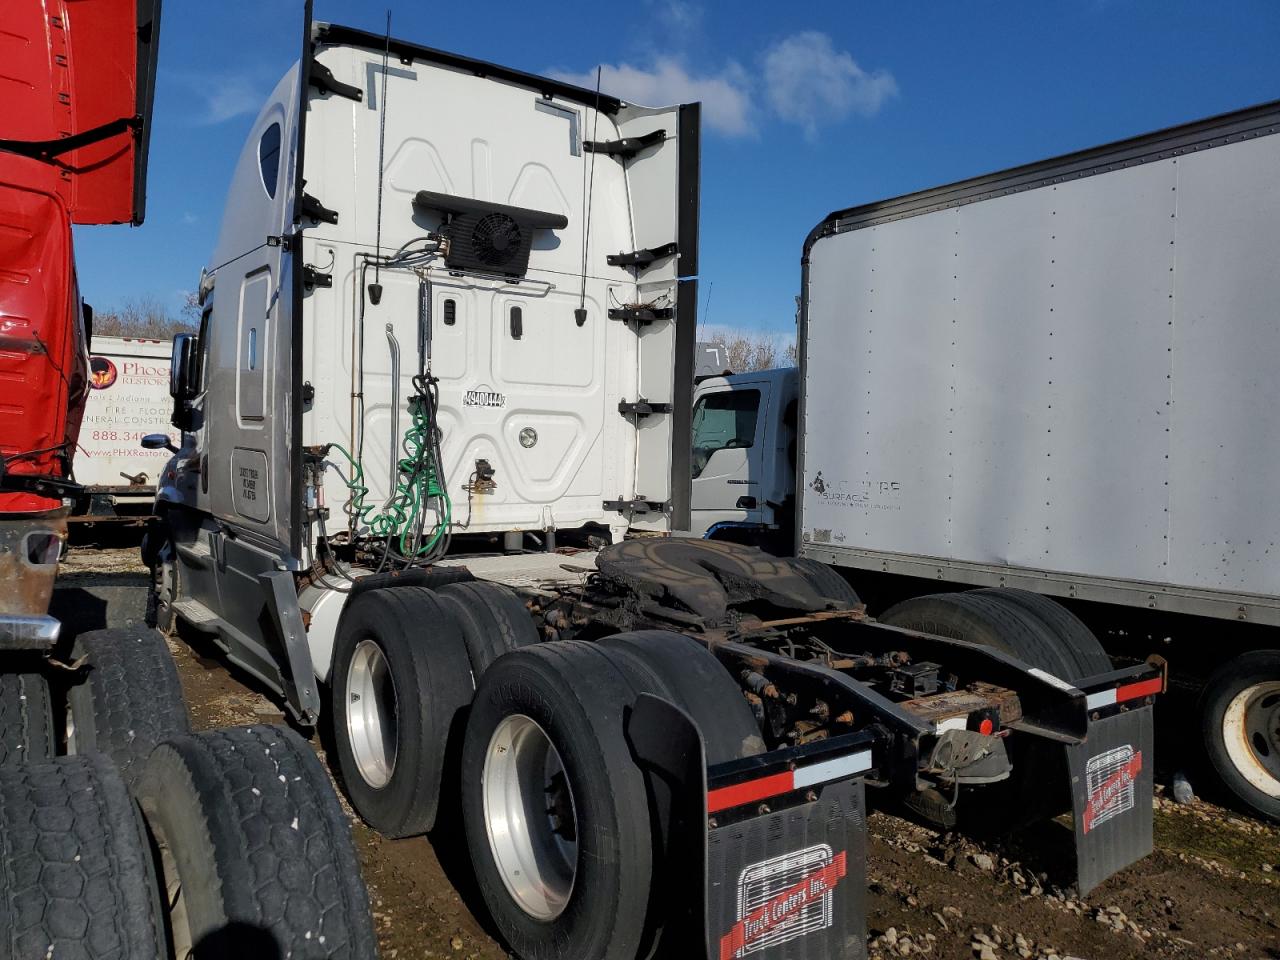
1055	378
435	443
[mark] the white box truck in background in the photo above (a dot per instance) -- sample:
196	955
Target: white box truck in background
128	399
1059	378
656	749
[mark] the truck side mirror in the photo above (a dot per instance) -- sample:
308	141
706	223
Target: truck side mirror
181	385
158	441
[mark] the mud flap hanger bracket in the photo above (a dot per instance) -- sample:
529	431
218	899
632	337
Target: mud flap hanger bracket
301	694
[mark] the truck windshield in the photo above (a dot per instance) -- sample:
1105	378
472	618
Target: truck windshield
723	421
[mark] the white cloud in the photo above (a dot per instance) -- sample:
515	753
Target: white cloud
726	101
229	97
216	97
680	15
809	83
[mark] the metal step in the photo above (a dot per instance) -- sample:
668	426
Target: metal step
196	613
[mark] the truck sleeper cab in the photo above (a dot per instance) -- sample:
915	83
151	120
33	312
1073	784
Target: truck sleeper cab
654	744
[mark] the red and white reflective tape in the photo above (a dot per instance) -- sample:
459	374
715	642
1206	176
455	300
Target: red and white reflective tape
1130	691
776	784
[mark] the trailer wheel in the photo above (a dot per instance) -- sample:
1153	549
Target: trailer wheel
1076	639
26	721
255	852
400	680
555	809
1031	793
697	683
76	875
492	619
130	700
825	580
1240	716
991	621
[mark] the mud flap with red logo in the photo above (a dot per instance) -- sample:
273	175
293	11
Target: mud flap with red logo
791	884
763	857
1112	780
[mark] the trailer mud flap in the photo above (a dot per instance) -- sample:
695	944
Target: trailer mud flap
785	883
1112	780
791	883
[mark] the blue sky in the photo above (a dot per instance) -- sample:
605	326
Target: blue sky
808	107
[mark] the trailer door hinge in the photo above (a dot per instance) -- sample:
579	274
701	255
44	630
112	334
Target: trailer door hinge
642	258
639	313
322	78
642	408
311	277
638	505
313	208
627	147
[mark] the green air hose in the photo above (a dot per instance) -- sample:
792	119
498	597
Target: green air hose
418	481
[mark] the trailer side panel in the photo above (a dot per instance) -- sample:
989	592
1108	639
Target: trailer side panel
1059	378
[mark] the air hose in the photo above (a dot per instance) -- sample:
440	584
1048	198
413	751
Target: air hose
418	484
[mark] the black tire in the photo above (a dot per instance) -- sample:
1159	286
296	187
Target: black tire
825	581
696	682
1240	728
1079	642
577	697
492	619
26	720
978	617
130	700
256	853
1036	789
76	874
429	690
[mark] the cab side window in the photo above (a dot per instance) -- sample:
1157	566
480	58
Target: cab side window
269	158
723	421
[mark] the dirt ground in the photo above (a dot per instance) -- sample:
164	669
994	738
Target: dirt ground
1210	889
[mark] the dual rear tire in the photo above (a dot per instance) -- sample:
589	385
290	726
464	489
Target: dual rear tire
564	828
406	662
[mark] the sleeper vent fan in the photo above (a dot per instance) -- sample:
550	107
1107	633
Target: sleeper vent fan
487	237
497	239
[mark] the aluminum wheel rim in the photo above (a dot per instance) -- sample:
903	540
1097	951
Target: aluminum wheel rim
372	714
530	817
1251	734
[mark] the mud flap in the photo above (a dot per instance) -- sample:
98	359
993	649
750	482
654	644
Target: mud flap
787	883
1112	781
791	883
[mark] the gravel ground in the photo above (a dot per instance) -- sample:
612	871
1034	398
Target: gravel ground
1211	889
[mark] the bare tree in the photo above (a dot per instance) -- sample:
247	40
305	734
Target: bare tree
747	351
145	318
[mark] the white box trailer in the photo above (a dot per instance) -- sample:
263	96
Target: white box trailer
1058	378
128	400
